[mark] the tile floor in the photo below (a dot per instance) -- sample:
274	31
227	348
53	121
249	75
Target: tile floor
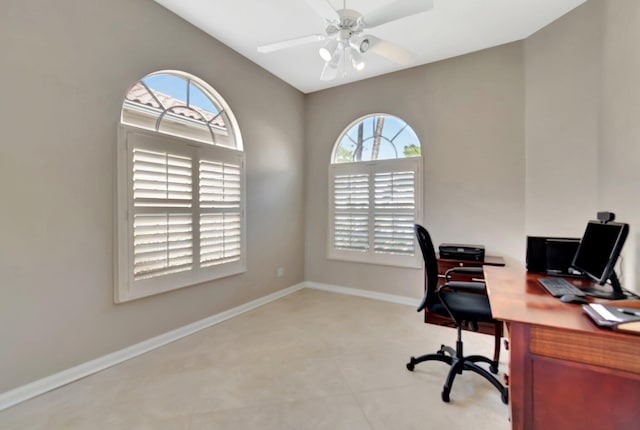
311	360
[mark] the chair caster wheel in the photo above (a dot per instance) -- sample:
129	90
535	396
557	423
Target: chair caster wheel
411	365
445	397
505	396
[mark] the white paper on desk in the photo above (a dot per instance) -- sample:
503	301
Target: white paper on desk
604	312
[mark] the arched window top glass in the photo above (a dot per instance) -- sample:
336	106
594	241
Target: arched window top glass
182	105
376	137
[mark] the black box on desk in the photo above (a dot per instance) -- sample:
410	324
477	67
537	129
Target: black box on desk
457	251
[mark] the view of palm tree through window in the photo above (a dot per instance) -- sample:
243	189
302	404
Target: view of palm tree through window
375	192
377	137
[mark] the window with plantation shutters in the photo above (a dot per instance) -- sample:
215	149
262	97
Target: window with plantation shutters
180	205
375	192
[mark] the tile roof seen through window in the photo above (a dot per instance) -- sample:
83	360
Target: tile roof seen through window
140	95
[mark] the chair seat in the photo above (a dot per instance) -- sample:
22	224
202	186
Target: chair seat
466	306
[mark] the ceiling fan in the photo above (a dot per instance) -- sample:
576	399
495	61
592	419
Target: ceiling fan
346	41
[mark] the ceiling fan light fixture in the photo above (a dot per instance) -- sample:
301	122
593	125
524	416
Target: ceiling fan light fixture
328	50
357	61
365	43
360	43
334	62
329	73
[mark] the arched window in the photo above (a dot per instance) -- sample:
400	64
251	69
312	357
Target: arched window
375	198
180	204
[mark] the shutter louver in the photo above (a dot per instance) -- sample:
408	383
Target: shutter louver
162	245
163	232
161	179
219	239
351	212
220	220
394	212
394	234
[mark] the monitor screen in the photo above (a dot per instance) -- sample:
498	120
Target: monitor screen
560	253
599	249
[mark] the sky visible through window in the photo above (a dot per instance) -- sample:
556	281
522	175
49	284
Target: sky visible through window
398	140
176	87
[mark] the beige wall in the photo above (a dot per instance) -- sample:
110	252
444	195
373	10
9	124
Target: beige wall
563	94
65	68
582	128
620	151
468	114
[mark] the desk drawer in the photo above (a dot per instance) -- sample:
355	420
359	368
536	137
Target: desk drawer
607	350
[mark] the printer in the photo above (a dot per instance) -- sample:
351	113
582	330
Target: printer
457	251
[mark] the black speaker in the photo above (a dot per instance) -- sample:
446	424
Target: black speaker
536	254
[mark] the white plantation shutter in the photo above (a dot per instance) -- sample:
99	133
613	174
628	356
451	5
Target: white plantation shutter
162	221
162	244
373	209
185	216
351	212
220	215
395	205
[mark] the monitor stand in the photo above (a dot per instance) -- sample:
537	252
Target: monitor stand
616	293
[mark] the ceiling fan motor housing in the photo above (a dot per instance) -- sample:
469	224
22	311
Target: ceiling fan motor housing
348	26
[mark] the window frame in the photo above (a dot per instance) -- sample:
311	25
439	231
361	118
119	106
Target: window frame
373	167
129	137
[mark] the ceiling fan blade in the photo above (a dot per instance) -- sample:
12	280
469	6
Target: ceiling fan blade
390	51
395	10
323	9
290	43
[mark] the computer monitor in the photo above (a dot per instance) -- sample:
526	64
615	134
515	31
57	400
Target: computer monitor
560	253
551	255
597	255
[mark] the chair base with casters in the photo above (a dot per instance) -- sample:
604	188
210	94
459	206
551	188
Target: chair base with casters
458	362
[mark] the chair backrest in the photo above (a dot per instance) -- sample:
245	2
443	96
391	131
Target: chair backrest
430	266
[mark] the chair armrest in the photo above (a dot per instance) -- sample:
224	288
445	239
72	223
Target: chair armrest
474	287
463	270
469	286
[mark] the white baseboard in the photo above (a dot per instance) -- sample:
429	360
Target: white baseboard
48	383
393	298
33	389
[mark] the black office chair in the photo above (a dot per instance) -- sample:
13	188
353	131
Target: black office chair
453	300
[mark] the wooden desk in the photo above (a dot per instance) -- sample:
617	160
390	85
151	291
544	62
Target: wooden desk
565	372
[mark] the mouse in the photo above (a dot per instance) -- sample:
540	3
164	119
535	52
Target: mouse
570	298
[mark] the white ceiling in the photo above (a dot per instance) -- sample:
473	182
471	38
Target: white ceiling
451	28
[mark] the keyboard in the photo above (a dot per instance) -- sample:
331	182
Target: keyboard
559	287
